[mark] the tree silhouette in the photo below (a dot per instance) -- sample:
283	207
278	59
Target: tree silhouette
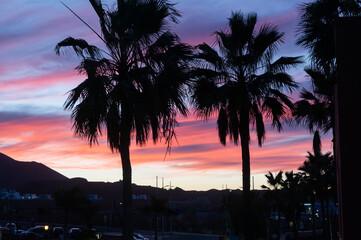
316	108
292	191
274	187
158	206
316	28
87	210
320	173
243	86
138	89
316	33
68	200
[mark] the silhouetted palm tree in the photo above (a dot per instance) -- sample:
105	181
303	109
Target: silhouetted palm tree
316	108
88	210
320	177
316	33
316	28
158	206
138	89
69	200
292	191
274	193
243	85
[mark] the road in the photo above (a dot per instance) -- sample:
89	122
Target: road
173	236
181	236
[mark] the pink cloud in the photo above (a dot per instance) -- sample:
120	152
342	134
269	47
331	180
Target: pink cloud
49	139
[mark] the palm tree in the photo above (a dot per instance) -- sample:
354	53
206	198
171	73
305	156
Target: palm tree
243	86
69	200
316	108
88	210
292	192
316	33
138	89
158	206
274	183
320	174
316	28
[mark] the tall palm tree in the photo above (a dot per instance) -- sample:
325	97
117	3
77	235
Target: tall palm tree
320	176
316	28
158	207
292	191
138	89
274	187
243	86
68	200
316	33
87	211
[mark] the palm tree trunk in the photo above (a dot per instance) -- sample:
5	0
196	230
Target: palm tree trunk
279	224
326	214
156	227
313	200
295	228
66	224
324	230
127	191
246	169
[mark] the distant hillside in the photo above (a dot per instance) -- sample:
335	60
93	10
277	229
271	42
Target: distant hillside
16	174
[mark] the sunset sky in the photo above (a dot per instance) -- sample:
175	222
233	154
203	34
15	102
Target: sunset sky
34	82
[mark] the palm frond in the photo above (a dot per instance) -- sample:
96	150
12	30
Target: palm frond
209	55
265	43
284	63
279	80
317	145
222	124
242	28
258	121
282	98
275	111
80	47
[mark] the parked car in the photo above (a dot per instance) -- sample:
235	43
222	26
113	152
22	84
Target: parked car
31	235
57	231
137	236
11	227
18	231
40	230
4	230
73	232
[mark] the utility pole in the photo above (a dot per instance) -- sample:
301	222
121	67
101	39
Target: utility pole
156	186
253	182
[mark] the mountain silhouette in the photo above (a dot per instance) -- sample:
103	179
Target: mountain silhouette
15	174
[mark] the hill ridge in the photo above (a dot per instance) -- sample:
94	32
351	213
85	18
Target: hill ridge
16	174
